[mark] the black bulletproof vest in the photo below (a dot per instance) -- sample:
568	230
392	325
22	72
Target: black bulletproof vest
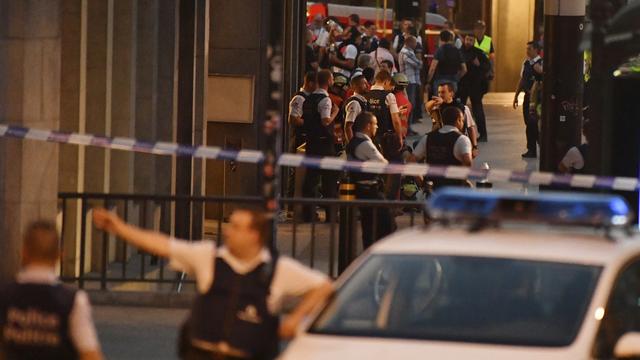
351	154
440	148
34	321
529	75
234	310
440	152
377	100
364	105
312	119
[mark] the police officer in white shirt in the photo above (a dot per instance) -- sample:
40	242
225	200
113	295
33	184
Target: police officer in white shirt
369	186
356	104
40	318
446	146
241	286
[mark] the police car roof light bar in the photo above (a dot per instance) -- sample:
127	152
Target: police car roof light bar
562	208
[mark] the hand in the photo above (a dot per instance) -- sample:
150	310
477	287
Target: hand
515	102
105	220
476	62
288	328
475	152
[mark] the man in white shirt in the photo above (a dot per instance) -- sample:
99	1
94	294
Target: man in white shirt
40	318
446	146
369	186
356	104
382	53
241	285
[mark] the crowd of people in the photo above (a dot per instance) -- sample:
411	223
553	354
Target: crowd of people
363	94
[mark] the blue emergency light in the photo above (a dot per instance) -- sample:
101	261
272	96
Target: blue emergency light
544	207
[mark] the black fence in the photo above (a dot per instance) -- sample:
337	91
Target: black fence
96	260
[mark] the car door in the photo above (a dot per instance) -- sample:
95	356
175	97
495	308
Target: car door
622	314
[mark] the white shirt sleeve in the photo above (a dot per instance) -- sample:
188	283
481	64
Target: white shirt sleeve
323	38
469	117
324	108
295	106
292	279
351	52
392	103
573	159
462	147
195	259
81	328
353	109
420	151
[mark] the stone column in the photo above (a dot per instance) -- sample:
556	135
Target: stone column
30	96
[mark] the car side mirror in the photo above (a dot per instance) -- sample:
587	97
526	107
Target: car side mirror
628	346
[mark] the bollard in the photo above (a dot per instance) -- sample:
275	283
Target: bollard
347	231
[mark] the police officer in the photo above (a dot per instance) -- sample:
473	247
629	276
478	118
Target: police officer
446	146
319	115
384	105
241	286
356	104
485	43
530	75
446	99
369	186
297	135
40	318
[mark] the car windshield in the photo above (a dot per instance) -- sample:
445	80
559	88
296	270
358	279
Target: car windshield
459	298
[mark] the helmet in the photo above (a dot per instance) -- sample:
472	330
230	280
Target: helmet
340	80
401	79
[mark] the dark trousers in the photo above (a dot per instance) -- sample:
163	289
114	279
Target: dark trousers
376	222
328	179
475	94
531	125
415	98
294	142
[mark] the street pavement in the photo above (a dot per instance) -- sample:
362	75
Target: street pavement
150	333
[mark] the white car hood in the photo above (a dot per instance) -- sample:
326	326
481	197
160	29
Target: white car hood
320	347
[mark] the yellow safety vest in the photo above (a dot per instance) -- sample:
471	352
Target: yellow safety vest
485	46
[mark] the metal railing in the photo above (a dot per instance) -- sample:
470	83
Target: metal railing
95	260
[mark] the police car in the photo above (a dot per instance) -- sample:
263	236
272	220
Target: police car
483	282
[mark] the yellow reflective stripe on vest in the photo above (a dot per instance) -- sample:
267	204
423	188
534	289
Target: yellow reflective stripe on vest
485	46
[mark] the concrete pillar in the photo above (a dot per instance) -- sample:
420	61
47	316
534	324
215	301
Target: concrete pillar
30	40
563	80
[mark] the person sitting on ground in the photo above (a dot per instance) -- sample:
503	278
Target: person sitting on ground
40	318
575	160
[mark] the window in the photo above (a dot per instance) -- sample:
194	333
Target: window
459	298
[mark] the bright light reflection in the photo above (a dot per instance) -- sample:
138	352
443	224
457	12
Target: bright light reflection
599	313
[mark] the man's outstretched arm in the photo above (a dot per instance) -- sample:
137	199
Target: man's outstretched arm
150	241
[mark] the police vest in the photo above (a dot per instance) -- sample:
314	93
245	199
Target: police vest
351	153
364	105
34	321
313	126
377	100
234	311
440	148
529	75
485	45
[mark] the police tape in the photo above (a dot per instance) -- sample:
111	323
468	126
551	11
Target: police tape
324	163
132	145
